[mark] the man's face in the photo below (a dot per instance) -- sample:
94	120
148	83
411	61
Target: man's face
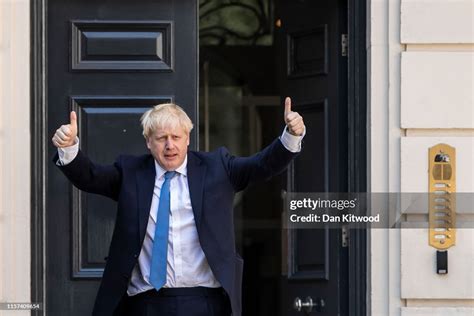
169	147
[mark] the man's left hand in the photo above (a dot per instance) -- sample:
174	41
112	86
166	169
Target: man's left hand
293	120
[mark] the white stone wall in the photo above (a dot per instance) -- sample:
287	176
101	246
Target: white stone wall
14	153
421	93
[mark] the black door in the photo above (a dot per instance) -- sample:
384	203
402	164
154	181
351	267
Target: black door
109	61
314	73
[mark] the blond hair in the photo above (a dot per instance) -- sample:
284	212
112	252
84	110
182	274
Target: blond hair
166	115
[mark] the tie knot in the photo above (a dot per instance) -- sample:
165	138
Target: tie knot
169	174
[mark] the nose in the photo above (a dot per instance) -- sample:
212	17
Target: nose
169	143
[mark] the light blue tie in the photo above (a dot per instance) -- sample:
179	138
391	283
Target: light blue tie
160	241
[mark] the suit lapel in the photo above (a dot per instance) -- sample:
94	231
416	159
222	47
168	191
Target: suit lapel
145	186
196	173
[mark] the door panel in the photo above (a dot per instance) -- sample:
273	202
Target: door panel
314	75
109	61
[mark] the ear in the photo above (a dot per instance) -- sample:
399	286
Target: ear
147	139
188	139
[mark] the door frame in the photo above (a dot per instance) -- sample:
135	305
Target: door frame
39	150
357	150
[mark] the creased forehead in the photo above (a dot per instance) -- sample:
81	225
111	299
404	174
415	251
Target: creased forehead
173	127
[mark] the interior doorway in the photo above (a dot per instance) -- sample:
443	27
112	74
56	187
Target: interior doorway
240	109
242	82
253	54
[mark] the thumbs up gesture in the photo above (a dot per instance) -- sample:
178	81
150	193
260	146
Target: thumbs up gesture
293	120
65	136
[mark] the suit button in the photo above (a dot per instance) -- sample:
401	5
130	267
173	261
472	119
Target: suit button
135	256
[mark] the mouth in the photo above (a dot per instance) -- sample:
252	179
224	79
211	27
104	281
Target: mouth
170	156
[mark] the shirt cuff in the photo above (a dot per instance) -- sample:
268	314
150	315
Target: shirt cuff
67	154
291	142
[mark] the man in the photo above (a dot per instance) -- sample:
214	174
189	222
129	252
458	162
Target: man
173	250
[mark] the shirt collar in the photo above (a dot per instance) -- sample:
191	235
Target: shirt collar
182	169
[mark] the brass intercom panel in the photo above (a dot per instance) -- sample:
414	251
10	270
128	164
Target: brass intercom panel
442	197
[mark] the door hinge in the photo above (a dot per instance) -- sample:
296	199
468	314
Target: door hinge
344	45
344	236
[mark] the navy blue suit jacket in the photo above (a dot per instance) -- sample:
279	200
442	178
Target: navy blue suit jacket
213	179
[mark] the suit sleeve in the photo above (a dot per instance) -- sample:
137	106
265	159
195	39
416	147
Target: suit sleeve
93	178
265	164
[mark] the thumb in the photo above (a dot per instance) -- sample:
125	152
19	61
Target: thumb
73	119
287	106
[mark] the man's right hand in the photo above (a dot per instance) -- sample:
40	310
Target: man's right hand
65	136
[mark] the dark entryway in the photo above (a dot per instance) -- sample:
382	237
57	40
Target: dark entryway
297	50
251	57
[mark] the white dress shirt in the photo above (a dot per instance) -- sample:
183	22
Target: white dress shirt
187	265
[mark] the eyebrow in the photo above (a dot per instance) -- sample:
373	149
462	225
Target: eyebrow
166	134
